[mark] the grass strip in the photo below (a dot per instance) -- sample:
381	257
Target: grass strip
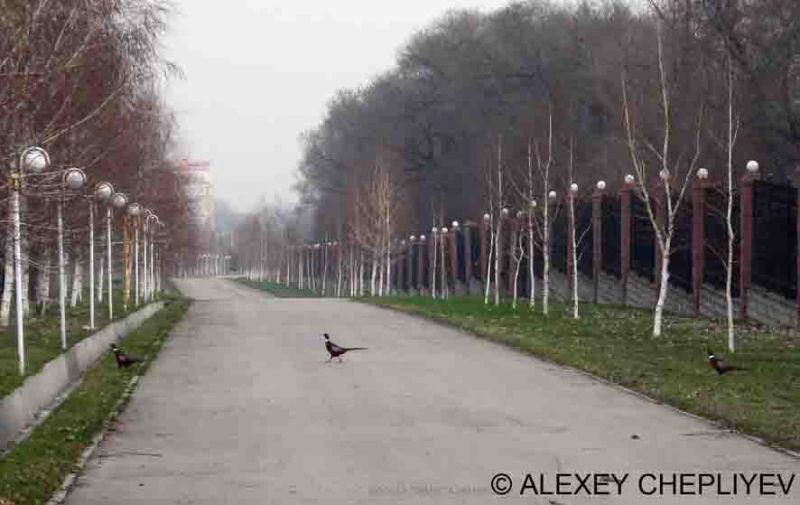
278	290
616	343
43	338
35	469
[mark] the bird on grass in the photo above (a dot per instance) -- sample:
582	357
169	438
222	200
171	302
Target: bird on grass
336	351
123	360
720	366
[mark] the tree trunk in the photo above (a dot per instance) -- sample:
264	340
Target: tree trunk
77	279
8	280
546	257
662	290
574	253
531	264
43	287
100	283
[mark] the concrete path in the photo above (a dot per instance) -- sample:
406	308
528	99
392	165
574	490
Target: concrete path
241	408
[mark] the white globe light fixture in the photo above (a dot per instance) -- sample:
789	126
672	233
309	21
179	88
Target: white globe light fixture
520	214
412	238
422	238
103	191
434	230
134	209
505	211
119	200
601	185
664	174
34	160
702	173
455	225
629	179
752	166
74	179
573	188
552	194
534	204
486	217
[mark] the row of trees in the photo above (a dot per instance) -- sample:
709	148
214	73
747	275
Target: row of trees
490	111
81	79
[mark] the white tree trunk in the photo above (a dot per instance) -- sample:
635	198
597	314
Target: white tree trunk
374	278
546	256
516	280
8	281
488	280
531	264
43	288
574	258
662	291
100	282
497	241
77	280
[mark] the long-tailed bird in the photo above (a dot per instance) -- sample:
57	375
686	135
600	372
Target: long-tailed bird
123	360
336	351
720	366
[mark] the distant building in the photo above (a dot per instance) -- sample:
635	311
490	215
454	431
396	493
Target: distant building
199	186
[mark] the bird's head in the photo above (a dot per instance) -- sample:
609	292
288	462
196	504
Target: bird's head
325	335
711	355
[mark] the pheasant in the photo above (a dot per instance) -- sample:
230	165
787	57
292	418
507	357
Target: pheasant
336	351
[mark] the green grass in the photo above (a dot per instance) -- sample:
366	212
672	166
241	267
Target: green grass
33	470
43	337
616	343
278	290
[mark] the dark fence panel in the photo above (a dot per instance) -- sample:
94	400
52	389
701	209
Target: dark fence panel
716	245
611	235
680	267
643	252
775	238
584	236
460	255
475	246
558	241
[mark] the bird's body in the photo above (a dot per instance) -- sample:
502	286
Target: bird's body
122	359
336	351
719	365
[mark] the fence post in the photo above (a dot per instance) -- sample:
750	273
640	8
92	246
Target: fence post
421	251
570	202
454	256
625	235
410	264
467	255
797	251
746	243
597	238
484	248
698	239
432	253
512	250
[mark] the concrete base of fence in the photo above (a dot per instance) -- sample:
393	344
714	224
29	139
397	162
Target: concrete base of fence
20	409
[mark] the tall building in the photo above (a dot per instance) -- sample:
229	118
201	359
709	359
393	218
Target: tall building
200	191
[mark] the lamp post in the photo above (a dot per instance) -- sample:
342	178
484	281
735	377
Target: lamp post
102	193
34	160
118	201
148	281
134	210
73	179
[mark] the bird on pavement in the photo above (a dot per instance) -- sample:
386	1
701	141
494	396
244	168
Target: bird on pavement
336	351
123	360
719	365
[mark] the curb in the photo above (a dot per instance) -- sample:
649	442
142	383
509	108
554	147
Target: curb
61	494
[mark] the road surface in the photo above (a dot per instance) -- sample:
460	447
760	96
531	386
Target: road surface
242	408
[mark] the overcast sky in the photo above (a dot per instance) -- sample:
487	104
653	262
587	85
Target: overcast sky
260	72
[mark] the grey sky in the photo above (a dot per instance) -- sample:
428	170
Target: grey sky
259	72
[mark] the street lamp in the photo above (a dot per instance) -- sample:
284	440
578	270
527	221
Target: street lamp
118	201
629	179
147	284
72	179
33	160
134	210
102	193
702	174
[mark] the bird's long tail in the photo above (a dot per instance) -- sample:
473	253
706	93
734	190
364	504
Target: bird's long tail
355	348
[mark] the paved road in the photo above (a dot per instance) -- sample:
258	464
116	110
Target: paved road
241	408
